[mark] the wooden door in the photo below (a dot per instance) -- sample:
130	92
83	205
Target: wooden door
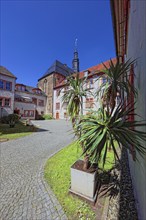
57	115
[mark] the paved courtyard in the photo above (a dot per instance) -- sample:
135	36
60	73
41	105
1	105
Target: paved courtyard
24	195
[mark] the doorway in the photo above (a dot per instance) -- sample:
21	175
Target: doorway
57	115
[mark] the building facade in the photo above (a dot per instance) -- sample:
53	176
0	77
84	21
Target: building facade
29	102
7	90
94	78
129	22
54	76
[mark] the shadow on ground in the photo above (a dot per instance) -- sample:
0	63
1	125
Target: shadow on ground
20	127
117	185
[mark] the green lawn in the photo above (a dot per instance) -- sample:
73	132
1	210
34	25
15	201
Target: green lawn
57	174
20	130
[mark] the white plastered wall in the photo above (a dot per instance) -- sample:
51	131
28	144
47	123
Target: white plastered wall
136	49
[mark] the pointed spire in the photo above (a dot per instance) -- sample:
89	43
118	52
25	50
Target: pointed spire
76	44
75	61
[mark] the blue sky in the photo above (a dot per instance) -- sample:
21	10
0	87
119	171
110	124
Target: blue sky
36	33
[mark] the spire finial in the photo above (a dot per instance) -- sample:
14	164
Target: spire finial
76	41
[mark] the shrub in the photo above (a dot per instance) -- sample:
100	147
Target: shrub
4	120
12	119
39	117
47	117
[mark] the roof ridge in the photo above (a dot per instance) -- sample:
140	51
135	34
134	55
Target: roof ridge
5	71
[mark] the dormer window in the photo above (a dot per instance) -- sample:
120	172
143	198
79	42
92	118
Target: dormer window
37	90
20	87
86	73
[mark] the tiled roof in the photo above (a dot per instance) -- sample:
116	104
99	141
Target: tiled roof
6	72
30	89
97	69
58	67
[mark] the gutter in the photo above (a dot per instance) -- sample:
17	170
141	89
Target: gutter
112	4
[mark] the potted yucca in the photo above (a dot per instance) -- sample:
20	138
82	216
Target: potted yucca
106	129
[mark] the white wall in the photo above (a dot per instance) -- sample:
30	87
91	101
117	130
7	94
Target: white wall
85	110
137	49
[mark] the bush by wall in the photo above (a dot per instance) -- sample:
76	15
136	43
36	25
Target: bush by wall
47	117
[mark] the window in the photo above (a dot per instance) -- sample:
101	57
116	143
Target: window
34	100
65	105
89	103
57	92
8	86
23	88
5	85
37	91
66	88
7	102
45	85
28	113
31	113
20	88
90	83
1	102
65	115
104	80
1	84
41	102
58	106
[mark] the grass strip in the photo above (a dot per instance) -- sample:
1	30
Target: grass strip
20	130
57	175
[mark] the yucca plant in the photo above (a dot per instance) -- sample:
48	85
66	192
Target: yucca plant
74	99
117	81
74	96
105	130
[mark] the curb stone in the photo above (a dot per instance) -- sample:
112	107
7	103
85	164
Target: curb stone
58	207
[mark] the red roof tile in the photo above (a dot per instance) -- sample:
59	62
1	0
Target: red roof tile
97	69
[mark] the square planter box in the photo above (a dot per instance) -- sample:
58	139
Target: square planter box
83	184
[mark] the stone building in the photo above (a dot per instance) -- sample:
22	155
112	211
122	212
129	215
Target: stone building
129	23
7	90
53	76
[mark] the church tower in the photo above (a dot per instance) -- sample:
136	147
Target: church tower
75	61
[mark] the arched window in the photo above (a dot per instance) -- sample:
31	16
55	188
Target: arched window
45	85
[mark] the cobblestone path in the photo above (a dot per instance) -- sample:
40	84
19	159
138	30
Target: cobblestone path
24	195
